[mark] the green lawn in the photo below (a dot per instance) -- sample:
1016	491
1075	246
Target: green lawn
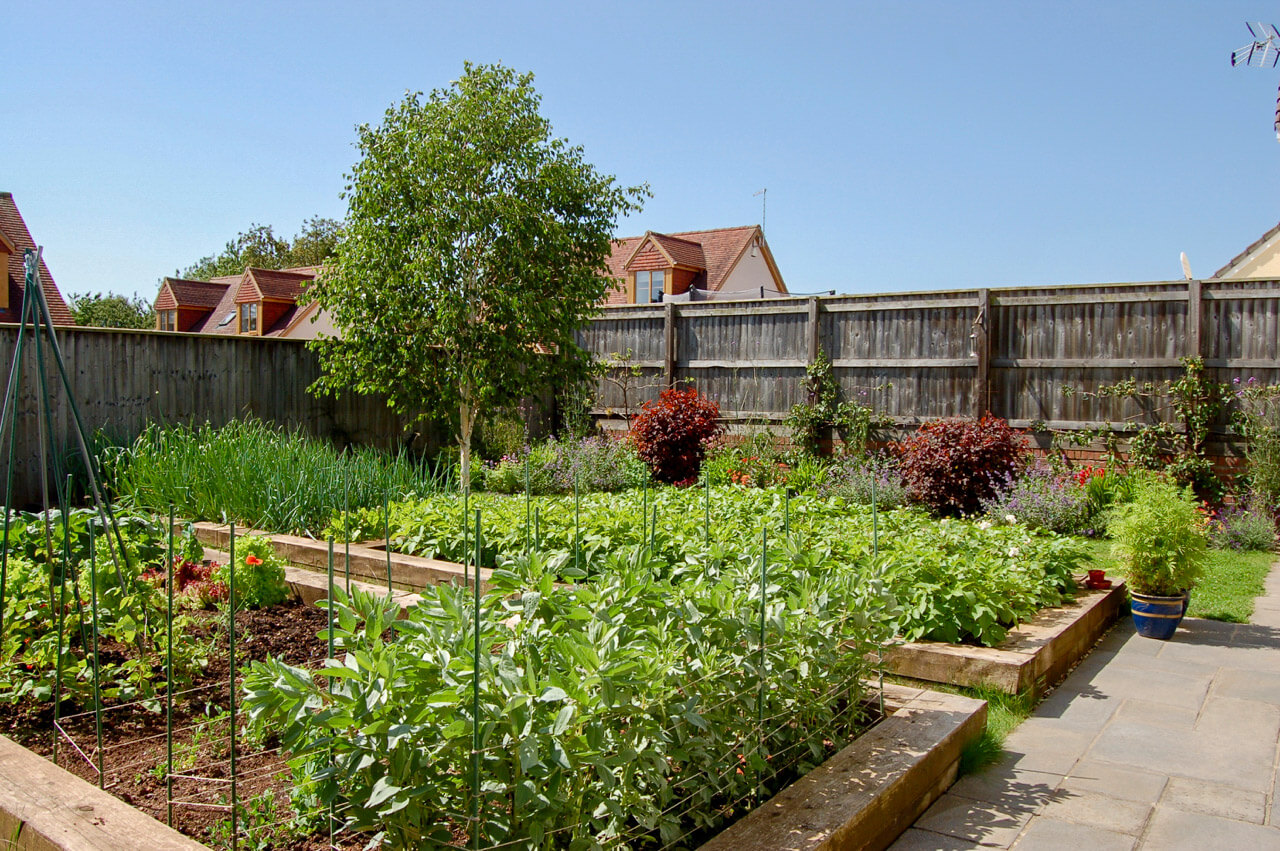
1227	589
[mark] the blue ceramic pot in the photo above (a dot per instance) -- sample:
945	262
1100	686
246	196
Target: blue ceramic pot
1157	617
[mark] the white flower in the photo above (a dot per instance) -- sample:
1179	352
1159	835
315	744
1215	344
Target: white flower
985	524
1010	519
1014	552
512	622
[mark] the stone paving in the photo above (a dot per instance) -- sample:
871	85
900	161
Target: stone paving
1147	744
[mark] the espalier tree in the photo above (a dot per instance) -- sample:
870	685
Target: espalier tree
474	247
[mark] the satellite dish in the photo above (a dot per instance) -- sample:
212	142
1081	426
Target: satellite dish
1186	267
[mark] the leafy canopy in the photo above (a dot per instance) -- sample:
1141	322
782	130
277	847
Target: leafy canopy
108	310
261	248
474	249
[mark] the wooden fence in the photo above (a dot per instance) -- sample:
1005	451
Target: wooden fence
123	380
1016	352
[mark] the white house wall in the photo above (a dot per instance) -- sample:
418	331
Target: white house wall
751	273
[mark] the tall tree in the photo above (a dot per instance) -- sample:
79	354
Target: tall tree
261	248
474	248
108	310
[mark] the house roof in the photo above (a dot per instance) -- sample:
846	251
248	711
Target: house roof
1243	256
717	251
17	235
279	285
177	292
220	296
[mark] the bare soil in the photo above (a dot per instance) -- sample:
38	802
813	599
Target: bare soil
134	748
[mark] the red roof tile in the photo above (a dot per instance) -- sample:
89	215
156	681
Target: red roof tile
15	230
274	284
176	292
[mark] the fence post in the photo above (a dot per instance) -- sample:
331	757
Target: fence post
669	344
812	343
981	337
1195	314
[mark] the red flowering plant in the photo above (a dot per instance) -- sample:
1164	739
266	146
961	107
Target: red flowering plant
259	574
671	435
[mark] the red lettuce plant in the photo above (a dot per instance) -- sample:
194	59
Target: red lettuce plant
671	434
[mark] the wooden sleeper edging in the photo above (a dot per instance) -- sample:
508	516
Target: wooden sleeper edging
866	795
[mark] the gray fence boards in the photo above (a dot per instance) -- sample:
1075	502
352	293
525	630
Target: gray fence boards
123	380
918	356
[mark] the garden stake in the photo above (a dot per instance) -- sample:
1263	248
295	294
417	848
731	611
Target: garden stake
168	678
875	551
62	605
706	508
537	527
231	630
7	421
93	612
786	510
386	532
346	524
475	706
875	519
764	571
329	614
577	510
527	501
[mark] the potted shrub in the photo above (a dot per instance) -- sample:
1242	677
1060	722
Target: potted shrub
1159	540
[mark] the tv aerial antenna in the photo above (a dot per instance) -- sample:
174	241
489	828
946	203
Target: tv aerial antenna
1262	52
764	205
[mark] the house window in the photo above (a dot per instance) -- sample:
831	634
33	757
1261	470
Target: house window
168	320
649	286
249	318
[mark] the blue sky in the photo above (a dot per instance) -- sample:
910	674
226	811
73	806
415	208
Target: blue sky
905	145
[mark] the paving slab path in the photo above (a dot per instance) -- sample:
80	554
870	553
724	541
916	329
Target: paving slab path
1147	744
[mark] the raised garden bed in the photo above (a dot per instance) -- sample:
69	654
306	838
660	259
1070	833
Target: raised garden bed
866	795
1035	655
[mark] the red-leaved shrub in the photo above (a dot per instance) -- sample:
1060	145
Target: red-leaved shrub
953	465
671	434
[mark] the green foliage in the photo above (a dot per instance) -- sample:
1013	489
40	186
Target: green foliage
1159	539
961	580
1259	421
627	711
259	574
754	462
1193	401
257	474
474	249
130	610
108	310
595	464
823	410
261	248
865	479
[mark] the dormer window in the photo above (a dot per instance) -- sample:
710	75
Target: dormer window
649	286
168	320
249	318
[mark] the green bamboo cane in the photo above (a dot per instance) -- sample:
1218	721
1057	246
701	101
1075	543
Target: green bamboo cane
475	706
231	630
329	606
577	515
97	688
8	417
168	676
386	532
527	502
764	570
346	524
